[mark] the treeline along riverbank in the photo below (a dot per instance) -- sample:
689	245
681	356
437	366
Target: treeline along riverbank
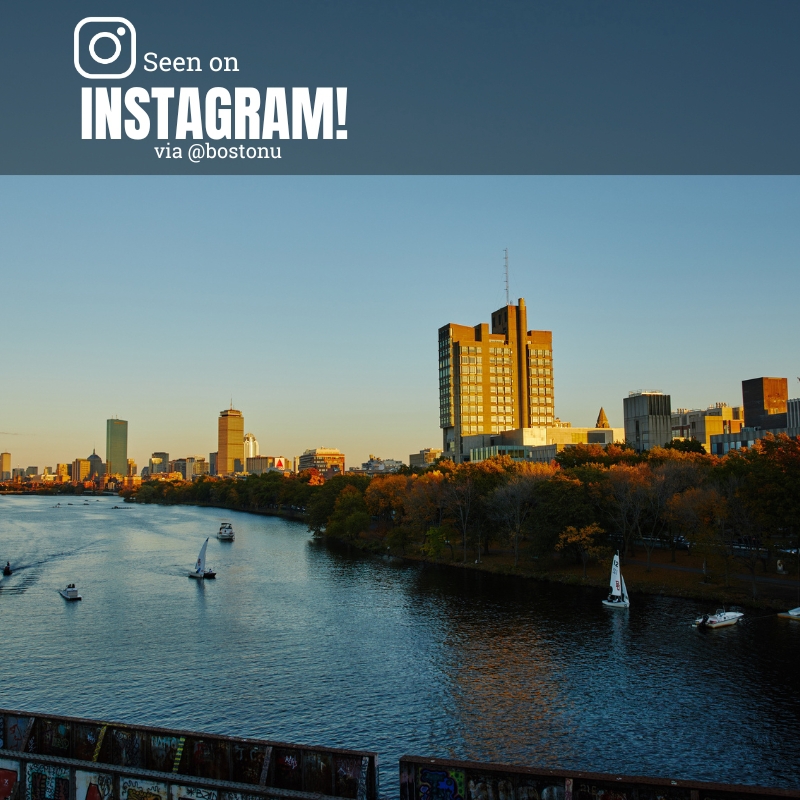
685	522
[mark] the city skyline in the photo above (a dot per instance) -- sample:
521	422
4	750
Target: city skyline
334	289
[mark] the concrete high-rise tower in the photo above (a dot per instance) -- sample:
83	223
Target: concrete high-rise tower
230	450
116	447
494	381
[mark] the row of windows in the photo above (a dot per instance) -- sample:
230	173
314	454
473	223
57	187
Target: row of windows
501	351
471	378
471	349
506	381
541	391
499	360
540	353
541	371
471	359
500	371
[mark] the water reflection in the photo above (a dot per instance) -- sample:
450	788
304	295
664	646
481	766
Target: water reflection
301	642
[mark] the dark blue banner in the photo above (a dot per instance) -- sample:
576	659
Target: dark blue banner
434	87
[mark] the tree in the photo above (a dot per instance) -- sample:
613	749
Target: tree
585	542
350	517
511	504
686	446
626	499
461	500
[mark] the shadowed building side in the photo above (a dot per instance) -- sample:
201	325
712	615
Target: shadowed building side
116	447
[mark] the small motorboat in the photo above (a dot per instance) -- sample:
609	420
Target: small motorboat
200	572
618	596
7	568
225	532
719	619
70	593
792	613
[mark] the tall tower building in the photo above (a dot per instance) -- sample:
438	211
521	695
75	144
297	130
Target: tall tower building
5	466
230	442
250	446
116	447
494	381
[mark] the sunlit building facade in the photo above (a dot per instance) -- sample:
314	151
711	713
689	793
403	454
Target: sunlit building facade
250	446
494	380
5	466
230	442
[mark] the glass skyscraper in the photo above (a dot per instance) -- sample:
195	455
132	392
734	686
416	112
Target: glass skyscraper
116	447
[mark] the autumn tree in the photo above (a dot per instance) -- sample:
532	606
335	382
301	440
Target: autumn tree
512	503
585	542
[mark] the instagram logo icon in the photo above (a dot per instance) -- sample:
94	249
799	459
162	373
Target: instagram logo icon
105	47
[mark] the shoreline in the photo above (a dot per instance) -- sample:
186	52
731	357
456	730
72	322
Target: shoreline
639	581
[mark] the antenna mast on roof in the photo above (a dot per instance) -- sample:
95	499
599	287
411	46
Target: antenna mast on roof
508	301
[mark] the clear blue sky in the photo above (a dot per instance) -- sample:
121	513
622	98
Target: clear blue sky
314	302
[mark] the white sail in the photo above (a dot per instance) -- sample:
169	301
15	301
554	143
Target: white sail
616	577
624	588
200	566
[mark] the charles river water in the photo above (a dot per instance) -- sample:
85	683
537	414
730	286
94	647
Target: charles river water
296	641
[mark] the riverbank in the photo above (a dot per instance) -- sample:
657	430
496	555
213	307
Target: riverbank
682	578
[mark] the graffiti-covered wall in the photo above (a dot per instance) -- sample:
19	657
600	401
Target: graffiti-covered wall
349	774
439	779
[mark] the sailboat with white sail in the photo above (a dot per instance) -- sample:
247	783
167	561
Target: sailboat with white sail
200	571
618	596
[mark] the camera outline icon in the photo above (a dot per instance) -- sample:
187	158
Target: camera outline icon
120	21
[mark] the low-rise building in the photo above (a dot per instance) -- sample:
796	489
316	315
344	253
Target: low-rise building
377	466
327	460
538	444
258	465
702	424
425	457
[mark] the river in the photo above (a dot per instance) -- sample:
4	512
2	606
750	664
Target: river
297	641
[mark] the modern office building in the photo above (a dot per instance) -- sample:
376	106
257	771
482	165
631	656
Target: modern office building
424	458
250	446
648	420
80	470
702	424
212	463
64	471
159	462
132	468
230	442
327	460
5	466
195	467
491	381
116	447
764	402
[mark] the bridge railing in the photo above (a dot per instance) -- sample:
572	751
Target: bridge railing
217	761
